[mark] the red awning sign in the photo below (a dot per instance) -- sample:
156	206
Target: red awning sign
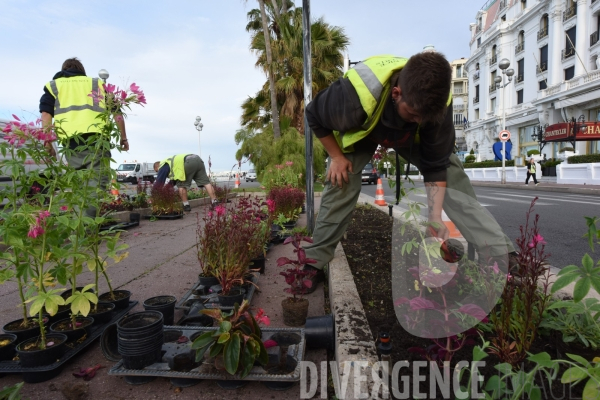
564	131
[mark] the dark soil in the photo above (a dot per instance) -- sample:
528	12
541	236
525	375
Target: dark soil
17	325
35	345
117	295
368	246
100	308
65	325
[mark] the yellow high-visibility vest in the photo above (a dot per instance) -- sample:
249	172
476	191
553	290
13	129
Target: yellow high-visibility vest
75	112
176	163
371	80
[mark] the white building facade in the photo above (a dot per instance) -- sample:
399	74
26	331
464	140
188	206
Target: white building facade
460	101
553	48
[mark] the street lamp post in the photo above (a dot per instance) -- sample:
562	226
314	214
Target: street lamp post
199	127
504	64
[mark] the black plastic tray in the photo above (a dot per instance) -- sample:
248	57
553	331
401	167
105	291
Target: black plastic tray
121	225
94	332
212	301
164	216
295	352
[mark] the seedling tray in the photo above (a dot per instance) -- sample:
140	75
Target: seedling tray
174	216
121	225
212	300
40	374
206	370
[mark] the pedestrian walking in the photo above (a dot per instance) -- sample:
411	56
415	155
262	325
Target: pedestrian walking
181	169
531	172
66	100
403	104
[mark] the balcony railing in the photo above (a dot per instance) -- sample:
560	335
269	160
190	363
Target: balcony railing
542	33
520	78
475	99
542	67
593	38
568	53
493	60
458	107
458	91
569	12
492	88
520	47
476	75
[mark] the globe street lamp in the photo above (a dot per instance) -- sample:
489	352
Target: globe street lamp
103	74
199	127
504	64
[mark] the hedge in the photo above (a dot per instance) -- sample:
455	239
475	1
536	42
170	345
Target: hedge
532	152
489	164
587	158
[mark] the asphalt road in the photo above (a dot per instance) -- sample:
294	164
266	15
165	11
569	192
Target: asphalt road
561	222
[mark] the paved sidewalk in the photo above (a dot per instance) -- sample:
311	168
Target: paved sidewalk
162	261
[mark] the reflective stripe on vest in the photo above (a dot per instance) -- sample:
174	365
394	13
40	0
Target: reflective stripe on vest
371	80
176	165
74	111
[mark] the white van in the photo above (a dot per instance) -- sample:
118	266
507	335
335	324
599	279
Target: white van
251	176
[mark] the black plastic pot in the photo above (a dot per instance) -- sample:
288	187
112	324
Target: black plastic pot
207	281
63	312
258	263
39	358
140	339
163	304
134	217
7	352
235	296
73	334
120	303
104	315
22	334
289	225
109	343
320	332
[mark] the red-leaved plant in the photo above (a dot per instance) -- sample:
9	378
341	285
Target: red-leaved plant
288	201
298	278
165	200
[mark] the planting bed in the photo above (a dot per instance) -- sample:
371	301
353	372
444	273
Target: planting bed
199	292
178	341
43	373
368	248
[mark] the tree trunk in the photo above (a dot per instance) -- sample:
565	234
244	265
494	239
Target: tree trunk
274	110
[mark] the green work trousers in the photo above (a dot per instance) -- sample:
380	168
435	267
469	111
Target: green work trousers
98	166
476	225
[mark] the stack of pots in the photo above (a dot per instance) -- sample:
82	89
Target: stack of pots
140	339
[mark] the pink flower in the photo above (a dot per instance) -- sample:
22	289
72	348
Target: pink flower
44	215
508	277
35	231
289	163
495	268
262	318
118	118
271	205
220	210
279	166
15	117
269	343
110	88
536	239
64	208
134	88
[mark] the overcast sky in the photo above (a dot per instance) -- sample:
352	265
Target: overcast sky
192	58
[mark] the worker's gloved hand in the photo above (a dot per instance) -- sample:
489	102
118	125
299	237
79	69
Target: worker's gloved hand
338	171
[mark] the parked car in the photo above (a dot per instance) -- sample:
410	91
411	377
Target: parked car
369	174
251	176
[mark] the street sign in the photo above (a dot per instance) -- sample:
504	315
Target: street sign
386	164
504	135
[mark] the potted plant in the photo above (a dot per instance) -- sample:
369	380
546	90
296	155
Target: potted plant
165	202
288	201
295	308
237	343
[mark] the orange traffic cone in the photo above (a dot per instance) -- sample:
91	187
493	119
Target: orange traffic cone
454	232
379	200
237	181
113	189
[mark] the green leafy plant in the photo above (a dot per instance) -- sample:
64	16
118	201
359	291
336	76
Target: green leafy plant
237	343
578	321
11	392
533	152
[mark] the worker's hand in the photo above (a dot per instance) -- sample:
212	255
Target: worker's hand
438	229
124	145
338	170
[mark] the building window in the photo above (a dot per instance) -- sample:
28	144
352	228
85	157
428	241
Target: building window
503	18
520	70
459	120
543	32
543	85
494	56
478	42
493	105
476	113
594	36
543	59
520	96
520	43
570	43
459	71
569	73
523	4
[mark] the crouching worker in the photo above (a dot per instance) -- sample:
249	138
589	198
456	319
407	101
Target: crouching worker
181	169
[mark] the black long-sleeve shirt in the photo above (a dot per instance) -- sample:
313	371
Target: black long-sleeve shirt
338	108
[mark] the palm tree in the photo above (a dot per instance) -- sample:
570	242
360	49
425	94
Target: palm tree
328	43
